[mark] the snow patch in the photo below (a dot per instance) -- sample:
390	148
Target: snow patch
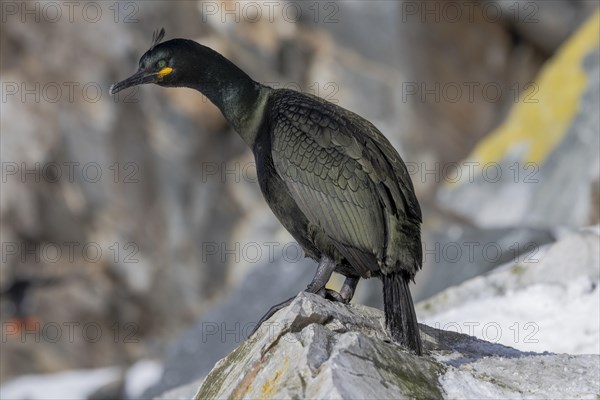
140	376
76	385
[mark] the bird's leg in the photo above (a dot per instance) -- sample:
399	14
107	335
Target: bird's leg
324	271
317	286
348	288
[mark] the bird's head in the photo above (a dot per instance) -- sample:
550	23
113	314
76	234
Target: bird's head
185	63
163	64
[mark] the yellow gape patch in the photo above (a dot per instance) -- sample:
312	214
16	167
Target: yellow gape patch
164	72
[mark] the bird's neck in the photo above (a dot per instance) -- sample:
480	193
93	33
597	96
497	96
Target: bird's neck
241	100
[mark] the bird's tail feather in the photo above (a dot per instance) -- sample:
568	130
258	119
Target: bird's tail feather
400	316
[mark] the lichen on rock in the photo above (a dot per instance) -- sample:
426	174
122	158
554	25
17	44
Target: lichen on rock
320	349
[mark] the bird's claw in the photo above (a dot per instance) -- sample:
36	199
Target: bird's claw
328	294
331	295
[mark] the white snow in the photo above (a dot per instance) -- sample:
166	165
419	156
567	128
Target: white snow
462	385
140	376
80	384
541	317
551	305
539	377
76	385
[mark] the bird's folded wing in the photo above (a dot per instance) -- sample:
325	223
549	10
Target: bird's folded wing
339	176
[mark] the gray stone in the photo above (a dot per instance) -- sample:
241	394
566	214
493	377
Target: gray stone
532	304
319	349
192	355
184	392
458	253
554	188
544	23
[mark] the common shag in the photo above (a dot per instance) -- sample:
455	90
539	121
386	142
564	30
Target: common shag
330	176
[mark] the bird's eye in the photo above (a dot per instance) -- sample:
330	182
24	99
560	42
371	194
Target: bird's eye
162	64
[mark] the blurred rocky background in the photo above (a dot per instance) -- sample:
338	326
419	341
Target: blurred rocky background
134	237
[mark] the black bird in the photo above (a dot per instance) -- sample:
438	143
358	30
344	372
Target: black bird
331	178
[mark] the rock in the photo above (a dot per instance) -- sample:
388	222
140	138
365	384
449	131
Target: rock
532	304
547	24
455	253
184	392
313	346
162	196
540	167
192	354
319	349
154	198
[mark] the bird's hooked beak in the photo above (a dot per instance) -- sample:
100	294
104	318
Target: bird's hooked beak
139	78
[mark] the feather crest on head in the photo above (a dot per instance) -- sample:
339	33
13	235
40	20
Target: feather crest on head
157	36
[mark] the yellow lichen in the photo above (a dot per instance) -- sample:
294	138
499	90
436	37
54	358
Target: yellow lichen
269	388
544	112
